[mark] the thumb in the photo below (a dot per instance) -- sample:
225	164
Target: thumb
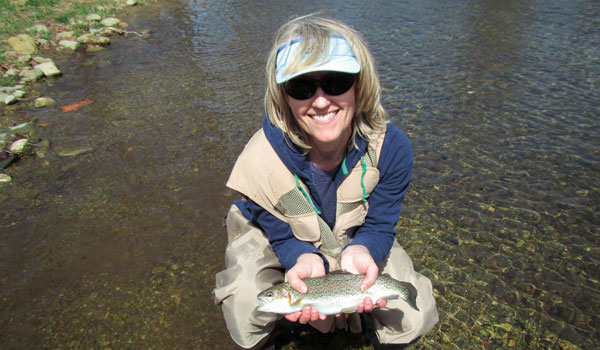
370	277
295	281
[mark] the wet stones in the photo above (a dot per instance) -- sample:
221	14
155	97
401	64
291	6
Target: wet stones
110	22
7	99
69	44
44	102
22	66
15	142
5	178
49	69
31	74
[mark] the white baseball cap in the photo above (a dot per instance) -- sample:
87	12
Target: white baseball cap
339	58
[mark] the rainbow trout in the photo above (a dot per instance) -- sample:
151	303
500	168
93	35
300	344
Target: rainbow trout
337	292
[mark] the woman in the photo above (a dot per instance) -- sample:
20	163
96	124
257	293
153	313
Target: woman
323	183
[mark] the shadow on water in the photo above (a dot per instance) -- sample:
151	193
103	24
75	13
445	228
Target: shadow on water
117	247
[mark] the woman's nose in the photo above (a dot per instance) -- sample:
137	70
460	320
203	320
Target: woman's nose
321	100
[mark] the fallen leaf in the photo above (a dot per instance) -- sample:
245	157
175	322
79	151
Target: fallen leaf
76	106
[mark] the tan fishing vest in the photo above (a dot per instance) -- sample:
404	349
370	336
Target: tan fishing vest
271	185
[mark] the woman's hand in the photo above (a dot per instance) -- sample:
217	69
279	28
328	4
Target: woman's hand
357	259
308	265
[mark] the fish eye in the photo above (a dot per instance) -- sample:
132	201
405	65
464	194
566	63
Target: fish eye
269	294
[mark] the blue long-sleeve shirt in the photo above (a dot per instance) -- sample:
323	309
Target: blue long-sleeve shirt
385	202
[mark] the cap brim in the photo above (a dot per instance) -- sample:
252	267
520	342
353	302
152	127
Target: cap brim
339	58
339	64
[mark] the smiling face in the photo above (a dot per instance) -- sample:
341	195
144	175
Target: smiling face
326	119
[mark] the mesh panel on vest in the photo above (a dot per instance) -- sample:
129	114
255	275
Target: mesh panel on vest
293	203
343	208
330	245
371	157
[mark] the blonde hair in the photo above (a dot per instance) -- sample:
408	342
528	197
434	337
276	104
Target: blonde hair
369	115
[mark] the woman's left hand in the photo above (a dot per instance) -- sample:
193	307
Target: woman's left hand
357	259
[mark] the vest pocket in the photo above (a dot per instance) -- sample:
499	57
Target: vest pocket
305	228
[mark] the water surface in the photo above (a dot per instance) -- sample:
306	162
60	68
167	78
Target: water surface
118	247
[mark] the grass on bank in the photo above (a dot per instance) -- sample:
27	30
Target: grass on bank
20	16
17	16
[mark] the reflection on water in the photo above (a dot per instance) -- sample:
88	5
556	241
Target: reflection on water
118	248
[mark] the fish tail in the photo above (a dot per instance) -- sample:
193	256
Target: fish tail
411	297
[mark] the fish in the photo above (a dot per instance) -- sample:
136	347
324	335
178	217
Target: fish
335	293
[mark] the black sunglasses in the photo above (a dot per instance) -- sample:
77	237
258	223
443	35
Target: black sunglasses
333	84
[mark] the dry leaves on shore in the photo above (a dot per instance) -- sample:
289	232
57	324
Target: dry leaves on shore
76	106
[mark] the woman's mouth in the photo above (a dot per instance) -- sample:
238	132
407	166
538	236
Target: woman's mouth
325	117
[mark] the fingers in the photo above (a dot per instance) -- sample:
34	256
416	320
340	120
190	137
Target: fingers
381	303
365	306
307	314
368	306
293	317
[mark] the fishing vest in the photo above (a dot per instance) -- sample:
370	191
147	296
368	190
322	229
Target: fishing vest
259	174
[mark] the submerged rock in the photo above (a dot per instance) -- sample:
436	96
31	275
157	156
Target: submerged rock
94	48
6	159
43	102
20	147
5	178
42	148
75	152
24	128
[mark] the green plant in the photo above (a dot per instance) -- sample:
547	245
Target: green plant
8	81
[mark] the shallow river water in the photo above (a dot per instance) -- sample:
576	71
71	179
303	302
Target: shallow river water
117	247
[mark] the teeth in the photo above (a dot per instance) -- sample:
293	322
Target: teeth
322	118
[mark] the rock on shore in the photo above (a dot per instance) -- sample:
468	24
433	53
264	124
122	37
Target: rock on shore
22	66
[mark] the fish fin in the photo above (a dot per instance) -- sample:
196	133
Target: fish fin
411	298
297	302
349	310
340	272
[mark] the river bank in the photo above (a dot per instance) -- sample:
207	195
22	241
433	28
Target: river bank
118	247
32	37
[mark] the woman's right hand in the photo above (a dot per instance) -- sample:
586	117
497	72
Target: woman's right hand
308	265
